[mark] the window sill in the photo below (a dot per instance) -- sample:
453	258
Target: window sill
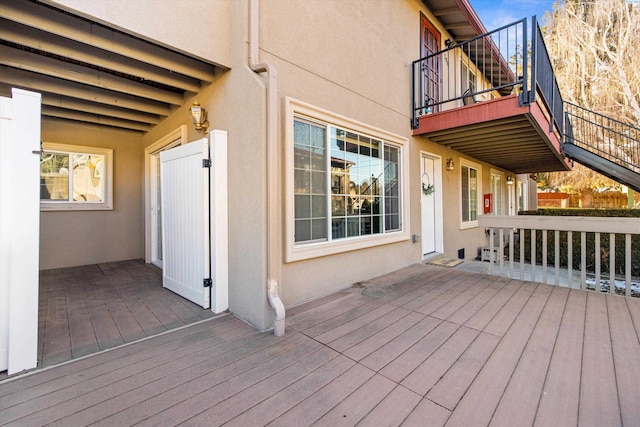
68	207
467	225
321	249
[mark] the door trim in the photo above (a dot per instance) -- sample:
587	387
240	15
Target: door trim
177	136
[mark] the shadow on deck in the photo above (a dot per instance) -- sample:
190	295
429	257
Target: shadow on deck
425	345
87	309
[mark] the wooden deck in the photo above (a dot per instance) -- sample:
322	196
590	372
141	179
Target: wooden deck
87	309
424	346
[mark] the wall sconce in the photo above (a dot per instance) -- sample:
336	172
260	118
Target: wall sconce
509	180
450	164
199	117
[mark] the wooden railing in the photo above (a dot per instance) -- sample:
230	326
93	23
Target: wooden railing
554	250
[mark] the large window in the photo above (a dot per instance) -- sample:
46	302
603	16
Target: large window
75	178
345	184
469	195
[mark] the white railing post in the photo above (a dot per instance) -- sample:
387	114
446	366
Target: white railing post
544	256
522	233
612	262
627	263
533	255
511	253
597	257
557	257
501	246
570	259
583	260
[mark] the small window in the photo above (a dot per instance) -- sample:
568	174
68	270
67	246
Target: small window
75	178
469	195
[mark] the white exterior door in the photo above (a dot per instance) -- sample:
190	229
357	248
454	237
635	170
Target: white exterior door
185	221
19	230
431	204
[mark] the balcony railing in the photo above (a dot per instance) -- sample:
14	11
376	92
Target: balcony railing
611	139
512	59
578	252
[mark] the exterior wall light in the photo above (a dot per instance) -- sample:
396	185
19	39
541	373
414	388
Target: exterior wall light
199	117
450	164
509	180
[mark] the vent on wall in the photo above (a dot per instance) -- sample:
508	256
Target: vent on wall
461	253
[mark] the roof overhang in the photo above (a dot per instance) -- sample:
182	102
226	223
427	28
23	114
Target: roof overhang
88	72
499	132
457	17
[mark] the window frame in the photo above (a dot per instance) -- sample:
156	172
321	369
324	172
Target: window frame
107	200
471	165
306	250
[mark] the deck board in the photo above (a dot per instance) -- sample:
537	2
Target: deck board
598	390
625	348
520	400
425	345
560	397
87	309
481	399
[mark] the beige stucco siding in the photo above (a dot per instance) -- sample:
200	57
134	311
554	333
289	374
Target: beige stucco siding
199	28
235	102
352	61
88	237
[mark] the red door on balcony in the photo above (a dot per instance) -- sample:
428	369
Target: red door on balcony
430	44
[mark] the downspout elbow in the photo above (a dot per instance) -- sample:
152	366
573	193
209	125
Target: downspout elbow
278	307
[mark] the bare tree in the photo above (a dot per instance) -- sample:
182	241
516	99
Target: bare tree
595	45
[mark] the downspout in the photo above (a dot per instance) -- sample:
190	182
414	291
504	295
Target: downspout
273	248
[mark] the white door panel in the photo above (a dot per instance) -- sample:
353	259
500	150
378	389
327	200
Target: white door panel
19	230
185	221
431	205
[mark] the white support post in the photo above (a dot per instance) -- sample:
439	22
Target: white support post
219	221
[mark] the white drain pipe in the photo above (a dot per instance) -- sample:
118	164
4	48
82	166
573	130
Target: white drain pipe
273	248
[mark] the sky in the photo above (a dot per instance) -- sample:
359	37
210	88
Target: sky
496	13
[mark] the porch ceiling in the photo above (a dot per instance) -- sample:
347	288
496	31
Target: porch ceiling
88	72
499	132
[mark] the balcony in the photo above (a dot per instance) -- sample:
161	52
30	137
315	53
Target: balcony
487	98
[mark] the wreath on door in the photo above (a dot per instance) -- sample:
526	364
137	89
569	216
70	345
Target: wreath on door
427	187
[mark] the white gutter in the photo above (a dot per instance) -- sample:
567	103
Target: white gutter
273	247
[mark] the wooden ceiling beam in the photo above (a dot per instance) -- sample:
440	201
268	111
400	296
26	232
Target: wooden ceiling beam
66	103
95	119
51	43
41	83
76	73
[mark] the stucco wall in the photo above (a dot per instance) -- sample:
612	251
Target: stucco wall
235	102
200	28
88	237
356	62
